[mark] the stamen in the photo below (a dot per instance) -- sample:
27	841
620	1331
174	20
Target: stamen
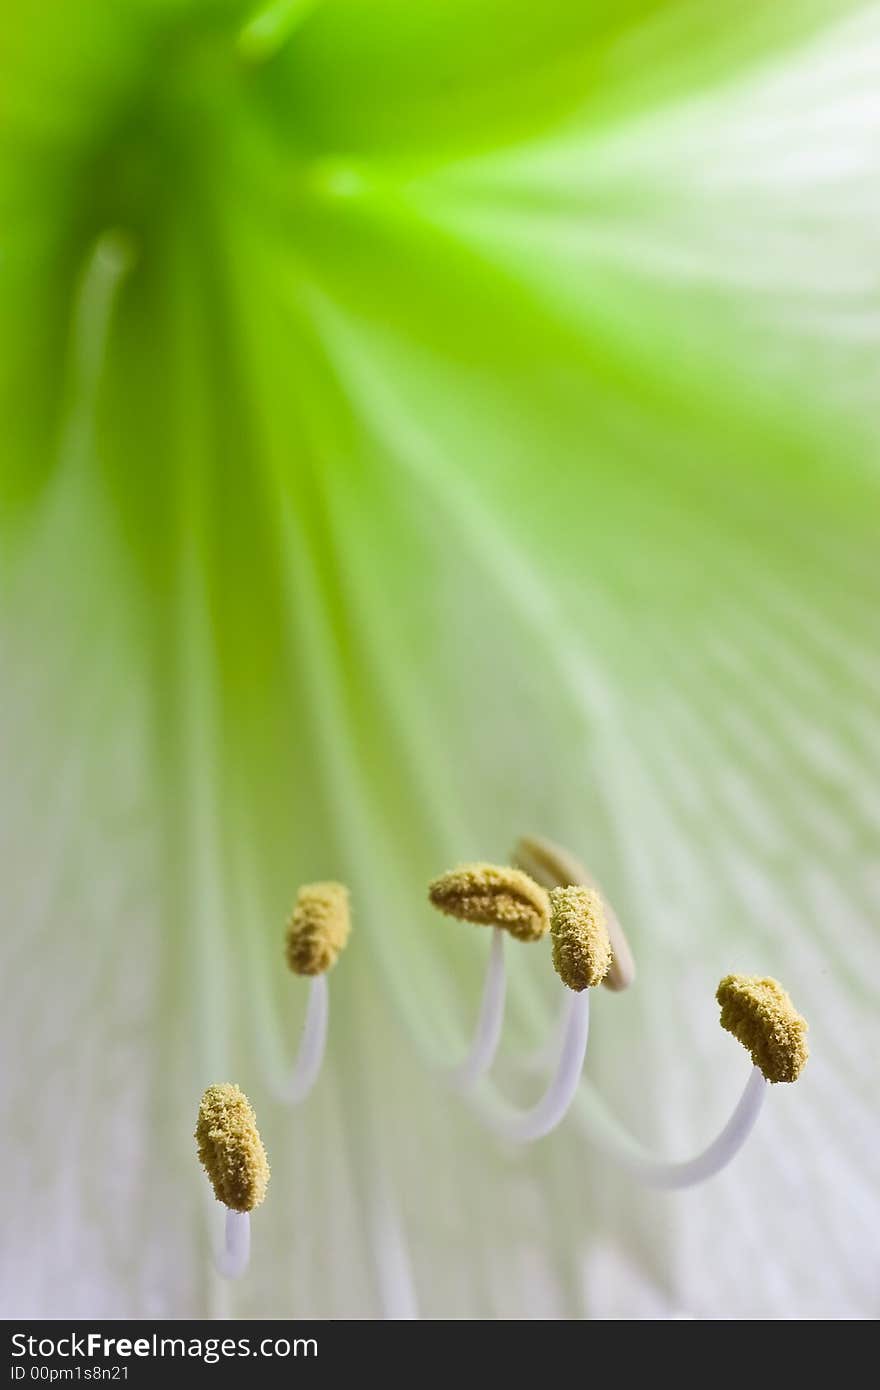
508	900
318	928
581	949
760	1015
553	867
232	1154
317	932
581	955
496	896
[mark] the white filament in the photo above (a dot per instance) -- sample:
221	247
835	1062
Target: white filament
312	1045
524	1126
626	1153
487	1034
232	1260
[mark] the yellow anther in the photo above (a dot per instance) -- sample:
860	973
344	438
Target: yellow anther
581	949
231	1149
318	928
495	896
554	867
760	1015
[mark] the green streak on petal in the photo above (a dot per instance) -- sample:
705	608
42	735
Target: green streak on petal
272	26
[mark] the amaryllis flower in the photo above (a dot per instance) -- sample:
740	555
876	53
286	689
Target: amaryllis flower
424	425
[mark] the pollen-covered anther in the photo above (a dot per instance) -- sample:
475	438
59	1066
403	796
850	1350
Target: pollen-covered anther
318	929
581	948
554	867
760	1015
494	895
231	1149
